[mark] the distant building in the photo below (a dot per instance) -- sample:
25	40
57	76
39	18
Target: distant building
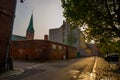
29	32
89	51
68	36
93	48
83	45
27	48
18	38
41	50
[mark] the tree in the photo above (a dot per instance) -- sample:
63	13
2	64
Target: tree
101	16
109	47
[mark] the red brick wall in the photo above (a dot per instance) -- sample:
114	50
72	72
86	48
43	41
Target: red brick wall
71	52
7	8
40	50
58	52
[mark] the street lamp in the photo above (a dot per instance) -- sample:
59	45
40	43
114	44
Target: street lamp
22	1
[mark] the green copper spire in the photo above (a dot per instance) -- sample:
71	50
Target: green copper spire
30	27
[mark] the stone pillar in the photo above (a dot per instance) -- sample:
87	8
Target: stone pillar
7	14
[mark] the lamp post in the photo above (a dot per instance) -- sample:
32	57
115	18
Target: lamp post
22	1
108	48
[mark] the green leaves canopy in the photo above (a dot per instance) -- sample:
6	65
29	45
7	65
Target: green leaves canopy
101	16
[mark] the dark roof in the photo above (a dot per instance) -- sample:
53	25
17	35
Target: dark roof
18	38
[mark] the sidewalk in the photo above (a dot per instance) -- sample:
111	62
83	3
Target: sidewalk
11	73
105	71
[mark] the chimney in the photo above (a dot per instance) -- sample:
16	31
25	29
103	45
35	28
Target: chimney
45	37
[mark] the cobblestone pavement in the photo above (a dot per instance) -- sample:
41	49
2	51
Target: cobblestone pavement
105	71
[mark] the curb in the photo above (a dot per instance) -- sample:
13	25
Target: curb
92	74
11	73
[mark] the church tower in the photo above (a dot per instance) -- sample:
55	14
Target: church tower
30	30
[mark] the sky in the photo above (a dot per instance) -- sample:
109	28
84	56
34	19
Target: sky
47	14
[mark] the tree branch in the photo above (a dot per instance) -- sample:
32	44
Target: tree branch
109	14
114	5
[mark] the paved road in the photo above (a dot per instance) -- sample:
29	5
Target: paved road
76	69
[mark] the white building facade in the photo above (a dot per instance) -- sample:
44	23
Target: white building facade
68	36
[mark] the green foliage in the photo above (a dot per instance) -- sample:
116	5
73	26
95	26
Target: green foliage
109	48
101	16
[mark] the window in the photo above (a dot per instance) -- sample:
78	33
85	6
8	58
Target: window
60	47
53	46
